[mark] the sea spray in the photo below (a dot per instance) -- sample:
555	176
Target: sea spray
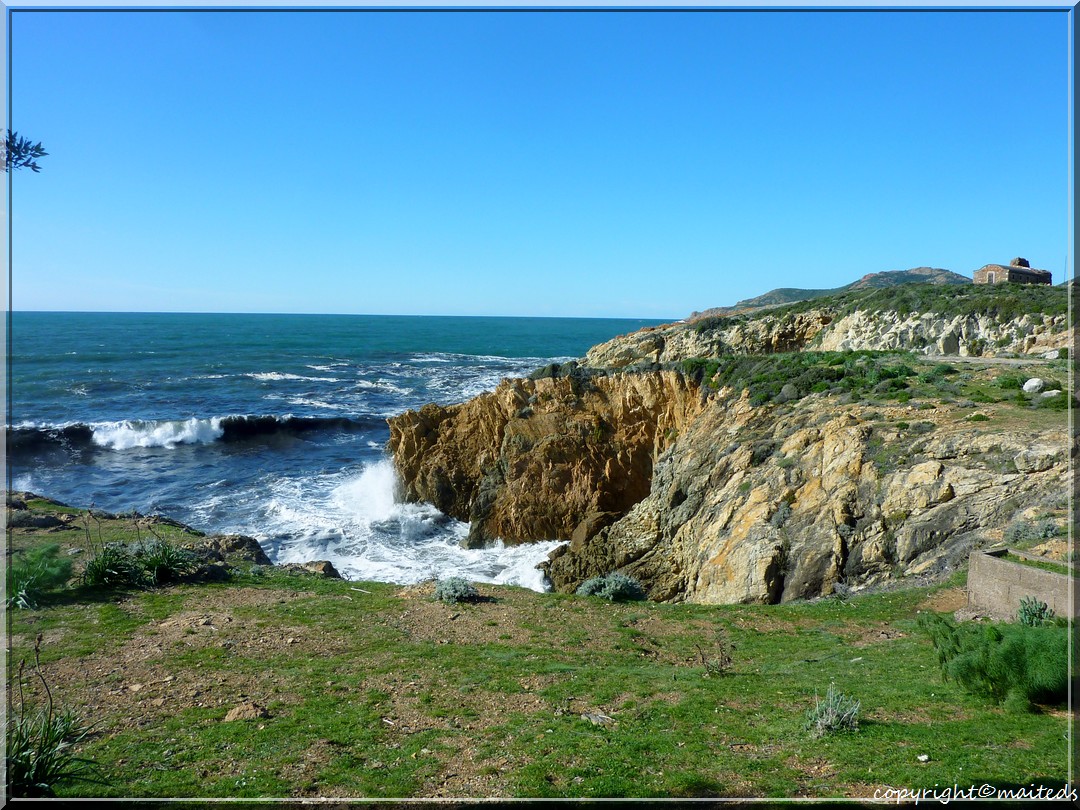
356	521
272	426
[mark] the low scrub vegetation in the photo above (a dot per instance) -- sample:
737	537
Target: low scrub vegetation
1014	665
141	565
455	589
41	742
34	572
882	376
1004	302
614	586
835	712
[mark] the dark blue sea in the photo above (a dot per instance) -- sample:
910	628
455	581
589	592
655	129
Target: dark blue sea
272	426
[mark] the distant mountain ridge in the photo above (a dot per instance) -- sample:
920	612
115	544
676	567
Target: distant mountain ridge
791	295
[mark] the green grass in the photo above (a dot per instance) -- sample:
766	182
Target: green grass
1045	565
884	377
369	704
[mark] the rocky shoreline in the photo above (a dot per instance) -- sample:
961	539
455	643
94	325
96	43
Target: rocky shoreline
707	495
216	555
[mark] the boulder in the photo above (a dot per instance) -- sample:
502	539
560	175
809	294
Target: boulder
1034	386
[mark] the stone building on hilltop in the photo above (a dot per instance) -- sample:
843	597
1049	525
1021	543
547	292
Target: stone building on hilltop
1018	270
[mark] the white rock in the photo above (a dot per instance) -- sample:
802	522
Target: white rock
1052	355
1048	394
1034	385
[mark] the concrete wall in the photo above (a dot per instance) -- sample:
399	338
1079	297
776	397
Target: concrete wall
996	586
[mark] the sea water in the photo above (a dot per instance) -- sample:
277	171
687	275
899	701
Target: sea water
272	426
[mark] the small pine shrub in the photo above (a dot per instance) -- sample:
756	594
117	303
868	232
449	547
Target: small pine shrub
1033	612
613	586
1014	665
33	572
455	589
836	712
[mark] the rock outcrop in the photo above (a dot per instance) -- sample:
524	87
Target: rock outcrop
719	496
772	504
825	330
539	459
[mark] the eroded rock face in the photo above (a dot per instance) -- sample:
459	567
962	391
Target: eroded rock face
552	458
772	504
825	330
705	498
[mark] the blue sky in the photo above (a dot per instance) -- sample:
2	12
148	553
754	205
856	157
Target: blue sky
639	164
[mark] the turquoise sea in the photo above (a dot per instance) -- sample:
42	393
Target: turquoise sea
268	425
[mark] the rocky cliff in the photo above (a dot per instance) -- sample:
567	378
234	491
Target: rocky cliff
761	477
829	329
776	503
551	458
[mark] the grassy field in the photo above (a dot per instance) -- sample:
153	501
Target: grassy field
347	689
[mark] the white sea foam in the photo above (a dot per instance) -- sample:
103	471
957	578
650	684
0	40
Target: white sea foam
278	376
356	521
135	433
316	403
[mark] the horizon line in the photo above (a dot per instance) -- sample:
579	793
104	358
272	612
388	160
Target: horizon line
337	314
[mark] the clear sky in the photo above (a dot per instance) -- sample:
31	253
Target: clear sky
640	164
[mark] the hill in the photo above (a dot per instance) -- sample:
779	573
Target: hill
790	295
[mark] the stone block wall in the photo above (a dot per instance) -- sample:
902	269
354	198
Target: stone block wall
995	585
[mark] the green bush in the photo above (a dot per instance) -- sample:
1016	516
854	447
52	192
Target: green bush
836	712
613	586
455	589
163	562
39	752
1020	531
1009	382
1014	665
33	572
114	566
1033	612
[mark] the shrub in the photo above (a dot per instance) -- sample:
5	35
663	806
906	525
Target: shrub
33	572
719	663
1020	531
781	515
455	589
163	562
40	744
1013	665
613	586
1033	612
114	566
1009	382
836	712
